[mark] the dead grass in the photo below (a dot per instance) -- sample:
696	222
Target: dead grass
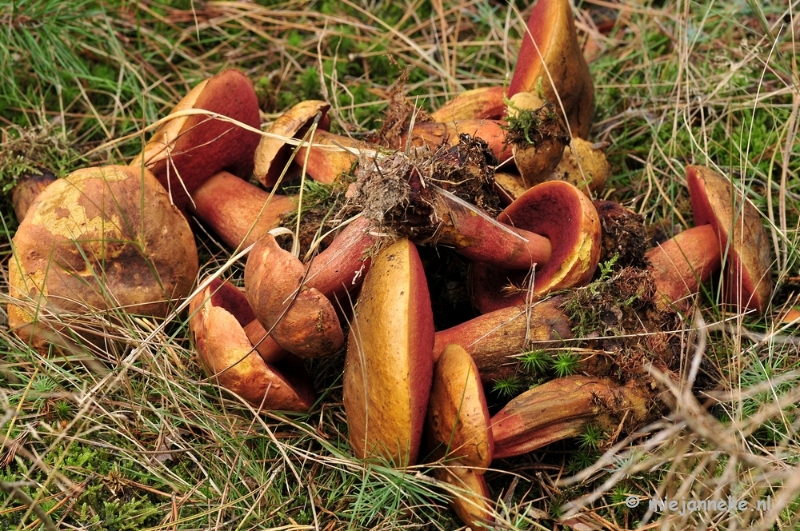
142	440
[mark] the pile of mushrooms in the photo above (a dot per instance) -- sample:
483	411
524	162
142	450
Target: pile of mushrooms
117	239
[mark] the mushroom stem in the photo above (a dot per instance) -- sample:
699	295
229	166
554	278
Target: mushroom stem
491	339
341	267
680	265
237	211
563	408
483	239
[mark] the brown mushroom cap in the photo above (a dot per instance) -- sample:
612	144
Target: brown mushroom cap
299	318
493	338
101	238
186	151
585	165
556	55
388	368
237	211
471	500
458	417
27	189
272	154
741	236
560	212
218	315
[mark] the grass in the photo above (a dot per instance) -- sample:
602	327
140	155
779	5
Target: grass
144	441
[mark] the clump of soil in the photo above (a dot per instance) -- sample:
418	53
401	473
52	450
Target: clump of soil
619	321
537	126
624	235
399	192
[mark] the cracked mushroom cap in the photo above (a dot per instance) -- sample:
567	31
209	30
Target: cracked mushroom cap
560	212
740	231
187	150
100	239
273	153
218	316
389	363
458	418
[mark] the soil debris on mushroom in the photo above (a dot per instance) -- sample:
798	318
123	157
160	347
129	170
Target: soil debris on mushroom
395	190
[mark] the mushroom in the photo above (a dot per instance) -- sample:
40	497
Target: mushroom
493	338
477	104
300	318
28	187
583	164
537	135
471	496
436	134
341	267
560	212
563	408
727	227
100	239
294	300
237	211
458	429
219	313
329	156
273	152
389	365
550	61
190	148
458	417
393	192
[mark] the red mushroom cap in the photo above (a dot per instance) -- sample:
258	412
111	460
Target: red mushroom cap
741	236
562	213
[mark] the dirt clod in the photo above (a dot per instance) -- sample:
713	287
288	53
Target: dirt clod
398	191
624	235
